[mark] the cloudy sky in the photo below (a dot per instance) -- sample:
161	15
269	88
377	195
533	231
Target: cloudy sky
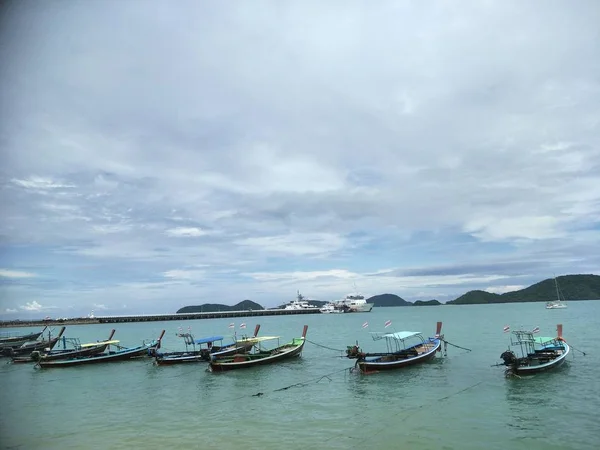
157	154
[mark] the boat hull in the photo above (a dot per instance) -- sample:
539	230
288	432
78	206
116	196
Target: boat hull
168	359
60	354
122	355
183	358
393	361
17	341
246	361
544	367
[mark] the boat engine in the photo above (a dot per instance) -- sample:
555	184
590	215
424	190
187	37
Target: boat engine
36	355
509	358
353	351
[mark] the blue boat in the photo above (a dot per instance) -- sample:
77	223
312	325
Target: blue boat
121	354
199	350
404	348
537	354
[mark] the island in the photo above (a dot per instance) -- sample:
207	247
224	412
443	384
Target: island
246	305
571	287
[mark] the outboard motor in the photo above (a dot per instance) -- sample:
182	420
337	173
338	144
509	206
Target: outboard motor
509	358
352	351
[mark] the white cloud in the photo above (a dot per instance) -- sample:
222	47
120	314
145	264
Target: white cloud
35	182
498	229
10	310
503	289
184	274
186	232
314	244
32	306
6	273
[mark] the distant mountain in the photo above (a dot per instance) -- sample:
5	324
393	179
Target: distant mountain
427	303
388	300
572	287
215	307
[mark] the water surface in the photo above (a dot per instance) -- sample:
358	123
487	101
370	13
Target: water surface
455	402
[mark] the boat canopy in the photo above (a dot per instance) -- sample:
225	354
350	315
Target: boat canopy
258	339
544	340
206	340
94	344
399	336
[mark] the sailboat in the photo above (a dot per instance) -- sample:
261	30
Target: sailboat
558	303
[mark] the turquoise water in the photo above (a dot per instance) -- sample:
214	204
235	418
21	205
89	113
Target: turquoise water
455	402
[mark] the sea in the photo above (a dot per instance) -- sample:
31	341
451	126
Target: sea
461	400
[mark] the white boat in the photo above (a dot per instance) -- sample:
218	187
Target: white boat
354	303
330	308
558	303
300	303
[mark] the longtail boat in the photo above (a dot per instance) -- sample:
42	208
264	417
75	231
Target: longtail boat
18	340
71	348
206	348
121	354
404	348
29	347
260	356
538	354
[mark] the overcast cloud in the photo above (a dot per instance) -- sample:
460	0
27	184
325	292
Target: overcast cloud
158	154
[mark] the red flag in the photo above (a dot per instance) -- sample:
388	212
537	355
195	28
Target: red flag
388	323
365	325
506	328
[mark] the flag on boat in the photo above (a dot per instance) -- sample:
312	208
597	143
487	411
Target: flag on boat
506	328
232	325
387	323
536	330
243	325
365	325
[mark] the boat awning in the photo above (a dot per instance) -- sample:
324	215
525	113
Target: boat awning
401	335
544	340
258	339
206	340
94	344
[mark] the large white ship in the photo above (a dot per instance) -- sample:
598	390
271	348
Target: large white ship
300	303
355	303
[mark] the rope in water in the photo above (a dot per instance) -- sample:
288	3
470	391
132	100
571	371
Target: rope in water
457	346
324	346
576	349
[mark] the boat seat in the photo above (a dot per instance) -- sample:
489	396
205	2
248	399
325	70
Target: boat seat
408	352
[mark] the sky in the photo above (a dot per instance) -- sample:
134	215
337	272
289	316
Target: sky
158	154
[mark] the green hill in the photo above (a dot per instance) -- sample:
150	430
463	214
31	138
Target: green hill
388	300
427	303
571	287
215	307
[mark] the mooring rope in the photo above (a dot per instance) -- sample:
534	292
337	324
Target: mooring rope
315	380
576	349
324	346
457	346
